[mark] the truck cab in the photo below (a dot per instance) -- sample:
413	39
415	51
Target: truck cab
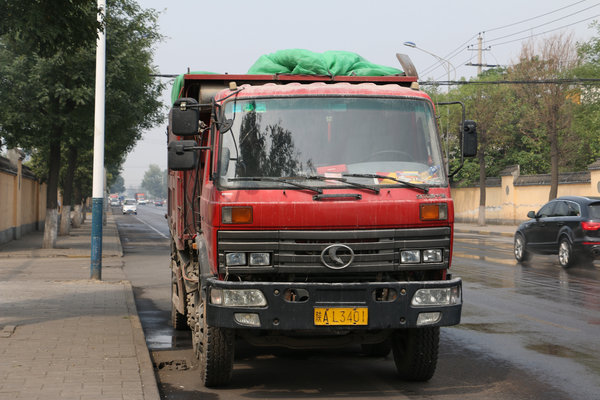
310	211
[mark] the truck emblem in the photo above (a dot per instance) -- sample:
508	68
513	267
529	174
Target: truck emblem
337	256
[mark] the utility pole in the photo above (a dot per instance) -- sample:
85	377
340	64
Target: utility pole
480	51
98	172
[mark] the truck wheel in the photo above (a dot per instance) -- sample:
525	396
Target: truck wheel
416	352
213	351
178	320
520	249
377	349
566	258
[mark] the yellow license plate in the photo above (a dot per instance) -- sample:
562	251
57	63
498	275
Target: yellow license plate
341	316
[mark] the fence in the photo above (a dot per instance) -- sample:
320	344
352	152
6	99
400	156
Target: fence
510	197
22	198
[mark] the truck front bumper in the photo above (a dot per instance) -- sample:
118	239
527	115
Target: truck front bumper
289	306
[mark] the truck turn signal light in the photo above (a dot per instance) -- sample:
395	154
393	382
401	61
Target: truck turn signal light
236	215
434	212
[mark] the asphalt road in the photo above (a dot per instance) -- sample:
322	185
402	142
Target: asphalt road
527	331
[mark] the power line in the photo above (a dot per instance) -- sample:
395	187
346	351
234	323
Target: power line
449	56
546	23
570	81
551	30
458	51
532	18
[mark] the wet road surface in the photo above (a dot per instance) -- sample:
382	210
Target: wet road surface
528	331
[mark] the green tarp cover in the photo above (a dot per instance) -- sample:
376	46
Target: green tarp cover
306	62
178	85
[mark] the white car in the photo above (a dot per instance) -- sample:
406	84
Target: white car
129	206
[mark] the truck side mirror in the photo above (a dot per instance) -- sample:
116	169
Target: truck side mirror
182	155
185	117
469	136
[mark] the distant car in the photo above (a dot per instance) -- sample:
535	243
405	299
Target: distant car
129	206
114	202
568	226
142	202
158	203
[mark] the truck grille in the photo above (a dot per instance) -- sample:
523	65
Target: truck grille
300	251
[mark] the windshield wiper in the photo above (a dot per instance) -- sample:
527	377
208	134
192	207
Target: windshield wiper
344	180
407	184
279	180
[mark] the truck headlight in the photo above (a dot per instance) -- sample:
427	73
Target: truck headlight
432	256
261	259
437	297
410	256
233	259
237	297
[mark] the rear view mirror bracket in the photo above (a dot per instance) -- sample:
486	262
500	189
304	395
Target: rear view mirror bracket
467	137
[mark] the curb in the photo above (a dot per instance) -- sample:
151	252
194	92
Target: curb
483	232
146	367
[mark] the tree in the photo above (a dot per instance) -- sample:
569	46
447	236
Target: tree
118	185
47	86
587	114
551	109
155	181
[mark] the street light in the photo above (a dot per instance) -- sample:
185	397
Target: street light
447	64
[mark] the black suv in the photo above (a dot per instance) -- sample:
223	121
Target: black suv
568	226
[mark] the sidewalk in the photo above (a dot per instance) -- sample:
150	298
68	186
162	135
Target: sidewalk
63	335
491	229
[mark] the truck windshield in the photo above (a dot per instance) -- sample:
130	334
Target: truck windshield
359	139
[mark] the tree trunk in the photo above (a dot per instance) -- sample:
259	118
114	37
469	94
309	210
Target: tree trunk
51	226
78	209
554	151
77	219
65	219
482	187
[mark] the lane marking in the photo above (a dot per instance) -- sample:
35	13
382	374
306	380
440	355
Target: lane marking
151	227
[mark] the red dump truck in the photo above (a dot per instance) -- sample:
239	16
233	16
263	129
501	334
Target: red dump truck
311	211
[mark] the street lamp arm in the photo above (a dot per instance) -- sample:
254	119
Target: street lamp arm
442	60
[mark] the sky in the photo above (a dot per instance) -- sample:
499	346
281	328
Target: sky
229	36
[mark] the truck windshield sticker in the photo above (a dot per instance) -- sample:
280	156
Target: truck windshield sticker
250	107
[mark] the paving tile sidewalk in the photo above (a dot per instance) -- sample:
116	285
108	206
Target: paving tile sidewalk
63	335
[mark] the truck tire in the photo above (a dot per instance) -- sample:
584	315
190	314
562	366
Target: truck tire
416	352
178	320
213	351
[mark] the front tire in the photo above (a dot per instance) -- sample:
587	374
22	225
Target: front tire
416	352
213	351
566	258
520	249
